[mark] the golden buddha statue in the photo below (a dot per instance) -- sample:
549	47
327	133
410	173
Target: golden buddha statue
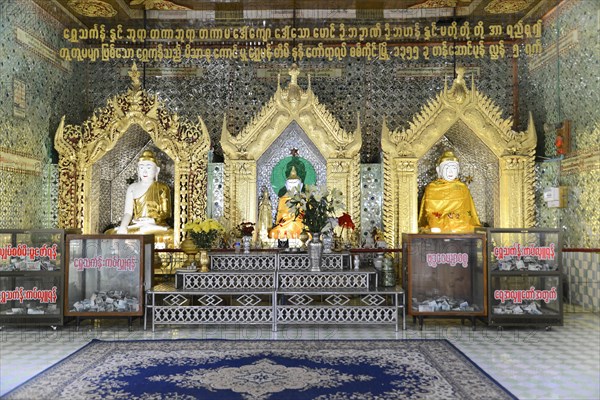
147	203
287	225
447	205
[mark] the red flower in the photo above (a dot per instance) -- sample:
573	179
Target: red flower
345	221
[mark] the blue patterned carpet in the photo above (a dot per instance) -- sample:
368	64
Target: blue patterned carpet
221	369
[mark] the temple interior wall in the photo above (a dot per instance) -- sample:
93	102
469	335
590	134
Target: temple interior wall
562	87
28	122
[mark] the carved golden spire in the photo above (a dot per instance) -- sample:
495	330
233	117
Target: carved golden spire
293	174
135	77
294	93
294	72
458	91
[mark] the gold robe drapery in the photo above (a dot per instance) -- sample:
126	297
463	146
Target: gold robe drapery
155	203
449	207
286	223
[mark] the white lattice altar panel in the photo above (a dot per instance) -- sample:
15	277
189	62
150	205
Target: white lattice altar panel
301	261
275	287
254	261
328	314
242	280
328	297
323	280
208	314
216	302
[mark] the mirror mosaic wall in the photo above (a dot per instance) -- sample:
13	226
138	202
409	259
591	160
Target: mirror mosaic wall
563	87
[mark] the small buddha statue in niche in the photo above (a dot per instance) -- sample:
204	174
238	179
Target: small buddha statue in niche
447	205
287	225
147	203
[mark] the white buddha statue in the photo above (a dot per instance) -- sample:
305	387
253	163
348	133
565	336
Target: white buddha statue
147	202
447	205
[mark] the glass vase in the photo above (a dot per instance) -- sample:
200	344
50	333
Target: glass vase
246	241
388	273
327	243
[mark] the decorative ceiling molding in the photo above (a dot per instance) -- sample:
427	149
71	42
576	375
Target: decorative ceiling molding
132	13
435	4
92	8
465	11
163	5
309	10
63	11
507	6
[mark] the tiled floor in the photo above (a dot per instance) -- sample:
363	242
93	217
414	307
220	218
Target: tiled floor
563	363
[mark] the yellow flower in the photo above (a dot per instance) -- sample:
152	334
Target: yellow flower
204	232
203	226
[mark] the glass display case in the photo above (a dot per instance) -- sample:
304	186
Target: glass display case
525	276
32	276
445	275
106	274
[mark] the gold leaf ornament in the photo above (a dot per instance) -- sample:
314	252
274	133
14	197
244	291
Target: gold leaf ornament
92	8
158	5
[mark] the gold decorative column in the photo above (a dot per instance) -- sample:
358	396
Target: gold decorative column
406	174
516	207
344	175
240	190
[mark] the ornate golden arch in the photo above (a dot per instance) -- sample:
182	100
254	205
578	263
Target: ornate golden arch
402	150
339	148
79	147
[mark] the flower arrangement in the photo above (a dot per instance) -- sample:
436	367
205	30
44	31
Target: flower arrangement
204	233
318	206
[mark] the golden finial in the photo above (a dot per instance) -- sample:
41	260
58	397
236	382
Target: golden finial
293	174
294	72
447	155
294	93
135	77
147	155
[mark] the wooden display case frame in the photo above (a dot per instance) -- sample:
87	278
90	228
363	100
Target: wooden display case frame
145	274
408	260
494	275
57	276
